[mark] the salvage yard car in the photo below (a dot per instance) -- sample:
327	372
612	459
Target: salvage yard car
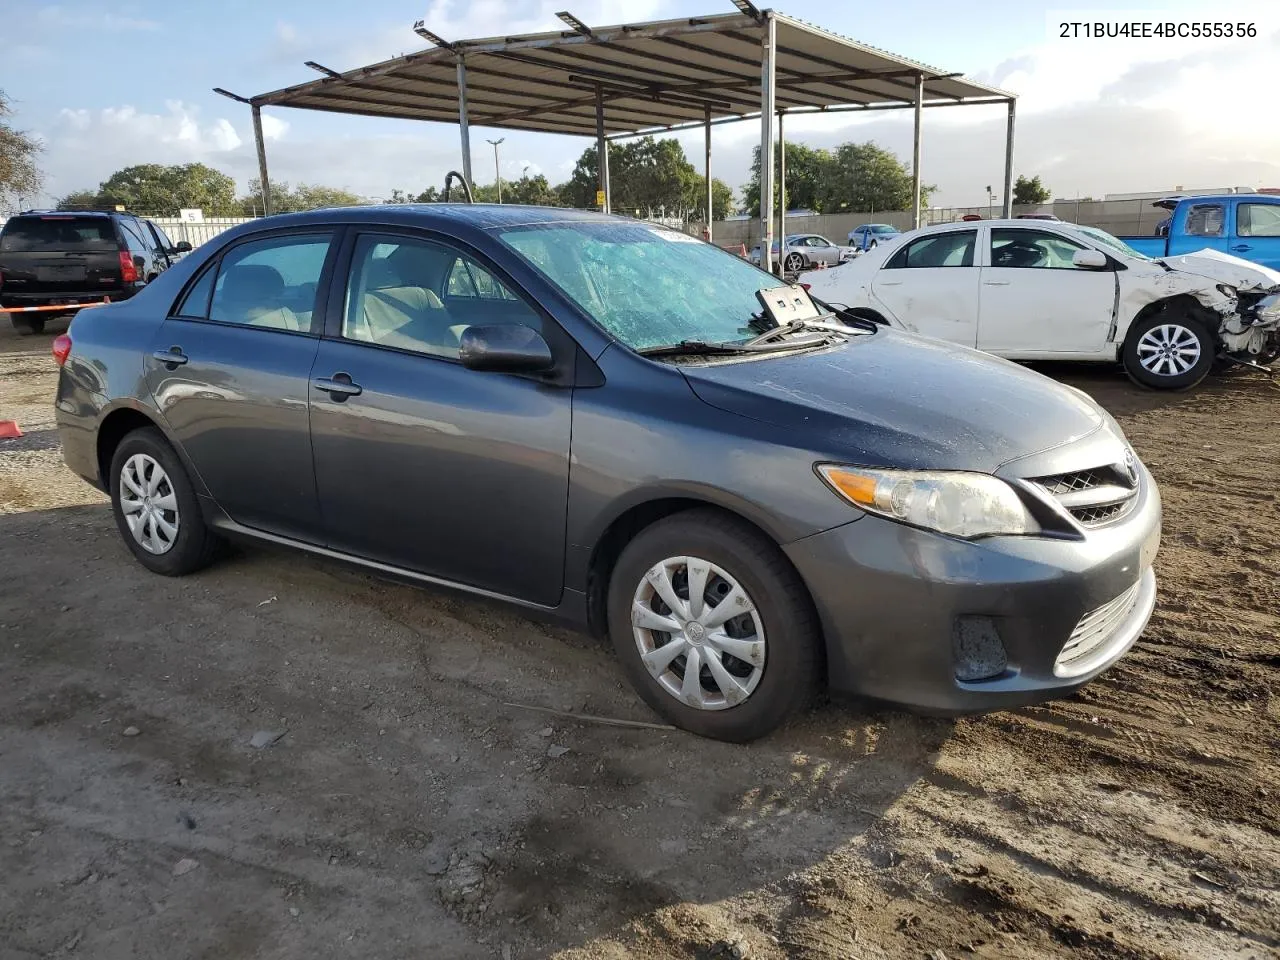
1036	290
56	261
1246	225
804	251
613	424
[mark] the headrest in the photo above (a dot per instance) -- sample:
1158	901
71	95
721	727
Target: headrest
253	283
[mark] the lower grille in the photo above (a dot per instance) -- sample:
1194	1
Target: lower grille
1095	628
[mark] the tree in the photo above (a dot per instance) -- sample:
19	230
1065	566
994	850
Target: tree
856	177
533	190
286	199
865	177
644	174
79	200
1030	192
161	190
19	175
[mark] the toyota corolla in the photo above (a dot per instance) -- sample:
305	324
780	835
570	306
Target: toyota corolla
619	426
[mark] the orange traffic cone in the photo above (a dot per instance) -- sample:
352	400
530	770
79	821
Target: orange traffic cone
742	250
9	430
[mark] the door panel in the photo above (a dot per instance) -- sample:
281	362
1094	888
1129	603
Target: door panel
1033	301
451	472
931	286
238	407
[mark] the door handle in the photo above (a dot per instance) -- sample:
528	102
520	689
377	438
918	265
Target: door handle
339	386
996	283
889	283
1241	247
173	357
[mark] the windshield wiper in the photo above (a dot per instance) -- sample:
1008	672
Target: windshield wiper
691	348
801	326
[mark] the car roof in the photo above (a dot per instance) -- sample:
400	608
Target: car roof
480	215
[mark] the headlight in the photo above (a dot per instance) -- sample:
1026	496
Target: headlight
959	504
1228	291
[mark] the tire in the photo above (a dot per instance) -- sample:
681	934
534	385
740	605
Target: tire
1169	350
27	326
173	502
872	245
793	263
773	683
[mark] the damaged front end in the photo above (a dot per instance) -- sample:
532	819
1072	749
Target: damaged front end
1249	333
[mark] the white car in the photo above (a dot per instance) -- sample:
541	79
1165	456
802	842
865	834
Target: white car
1036	290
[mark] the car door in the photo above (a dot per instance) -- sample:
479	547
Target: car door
930	286
822	250
1034	300
165	252
422	463
229	371
1258	233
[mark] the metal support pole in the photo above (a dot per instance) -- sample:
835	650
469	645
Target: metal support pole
767	50
263	183
915	154
1008	163
782	193
706	166
497	169
464	128
602	154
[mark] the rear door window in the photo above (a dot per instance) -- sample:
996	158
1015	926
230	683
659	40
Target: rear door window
133	238
41	234
1205	220
953	249
268	283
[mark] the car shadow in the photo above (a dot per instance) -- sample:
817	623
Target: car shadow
1111	387
530	824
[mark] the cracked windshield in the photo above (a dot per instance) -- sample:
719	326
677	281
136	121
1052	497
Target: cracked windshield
647	286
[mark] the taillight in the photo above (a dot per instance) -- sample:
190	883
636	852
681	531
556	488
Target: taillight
61	348
128	269
807	286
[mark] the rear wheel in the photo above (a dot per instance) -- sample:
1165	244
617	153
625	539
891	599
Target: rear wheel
793	263
28	325
1170	350
713	627
155	506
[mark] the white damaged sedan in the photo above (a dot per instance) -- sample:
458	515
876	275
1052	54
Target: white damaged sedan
1034	290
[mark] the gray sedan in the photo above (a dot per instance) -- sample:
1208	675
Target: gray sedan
616	426
805	251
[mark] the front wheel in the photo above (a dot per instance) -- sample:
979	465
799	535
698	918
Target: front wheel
793	263
156	508
1168	351
872	244
714	628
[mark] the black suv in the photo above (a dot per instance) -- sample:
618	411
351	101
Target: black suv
55	258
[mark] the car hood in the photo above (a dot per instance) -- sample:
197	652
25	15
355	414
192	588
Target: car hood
1224	268
895	400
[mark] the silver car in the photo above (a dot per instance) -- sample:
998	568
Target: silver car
805	251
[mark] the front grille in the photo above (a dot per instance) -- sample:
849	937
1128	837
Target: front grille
1095	628
1071	482
1094	497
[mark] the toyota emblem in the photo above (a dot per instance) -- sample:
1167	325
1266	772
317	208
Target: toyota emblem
1131	465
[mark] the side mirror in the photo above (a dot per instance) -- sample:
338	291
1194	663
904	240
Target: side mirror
182	247
504	348
1090	260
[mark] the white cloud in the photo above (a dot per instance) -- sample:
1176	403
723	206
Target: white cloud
55	17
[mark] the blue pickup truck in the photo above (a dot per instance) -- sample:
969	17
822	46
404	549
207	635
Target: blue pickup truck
1243	225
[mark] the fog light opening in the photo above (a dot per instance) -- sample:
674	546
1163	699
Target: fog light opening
976	649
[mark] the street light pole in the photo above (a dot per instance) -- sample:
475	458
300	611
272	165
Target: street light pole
497	170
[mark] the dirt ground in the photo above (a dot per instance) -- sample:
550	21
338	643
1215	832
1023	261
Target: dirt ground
409	811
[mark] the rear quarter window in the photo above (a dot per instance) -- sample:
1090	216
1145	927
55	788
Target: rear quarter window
36	234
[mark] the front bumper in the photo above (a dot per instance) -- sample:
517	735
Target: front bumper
893	600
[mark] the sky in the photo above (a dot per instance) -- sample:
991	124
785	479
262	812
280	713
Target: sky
106	85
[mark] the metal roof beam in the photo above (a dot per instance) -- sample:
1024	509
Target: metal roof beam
665	28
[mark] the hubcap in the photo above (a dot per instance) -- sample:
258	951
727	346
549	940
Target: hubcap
698	633
1168	350
793	262
149	504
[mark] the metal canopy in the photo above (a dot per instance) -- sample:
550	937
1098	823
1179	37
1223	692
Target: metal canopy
633	79
653	76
